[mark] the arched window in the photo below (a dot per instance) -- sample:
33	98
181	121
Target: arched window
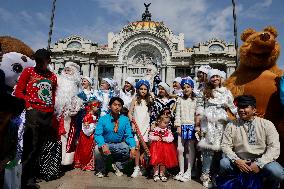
216	47
74	45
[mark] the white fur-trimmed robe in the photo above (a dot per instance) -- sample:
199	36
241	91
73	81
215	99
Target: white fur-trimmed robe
214	117
67	104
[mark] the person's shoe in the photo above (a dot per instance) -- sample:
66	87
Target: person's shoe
178	176
206	181
32	186
117	171
163	178
156	178
136	172
99	174
186	176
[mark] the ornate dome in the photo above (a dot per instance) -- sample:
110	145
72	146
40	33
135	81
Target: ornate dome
152	26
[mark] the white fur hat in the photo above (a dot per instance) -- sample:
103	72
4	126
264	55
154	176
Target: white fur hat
73	66
131	80
223	74
166	87
204	69
178	79
213	72
88	79
109	81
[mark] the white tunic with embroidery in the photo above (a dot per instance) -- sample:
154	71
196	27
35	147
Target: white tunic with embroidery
214	117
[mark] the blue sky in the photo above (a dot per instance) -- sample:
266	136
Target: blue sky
199	20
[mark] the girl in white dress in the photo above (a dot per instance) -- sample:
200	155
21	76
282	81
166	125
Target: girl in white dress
140	112
212	117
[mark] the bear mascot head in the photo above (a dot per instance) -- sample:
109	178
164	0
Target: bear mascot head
15	57
258	74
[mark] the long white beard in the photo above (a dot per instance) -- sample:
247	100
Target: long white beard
66	89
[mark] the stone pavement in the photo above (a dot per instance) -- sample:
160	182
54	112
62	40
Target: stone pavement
77	179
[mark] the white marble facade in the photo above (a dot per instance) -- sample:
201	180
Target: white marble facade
138	44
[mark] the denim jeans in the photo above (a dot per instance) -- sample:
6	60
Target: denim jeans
210	161
119	155
273	171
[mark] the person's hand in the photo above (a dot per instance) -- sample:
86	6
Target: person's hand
153	126
254	167
132	153
29	108
197	133
179	130
243	165
133	128
106	150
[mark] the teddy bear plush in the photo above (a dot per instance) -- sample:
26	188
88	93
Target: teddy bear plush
259	75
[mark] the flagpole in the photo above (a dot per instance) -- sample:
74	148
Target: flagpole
51	25
235	31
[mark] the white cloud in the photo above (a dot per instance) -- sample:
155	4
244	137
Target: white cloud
195	18
255	11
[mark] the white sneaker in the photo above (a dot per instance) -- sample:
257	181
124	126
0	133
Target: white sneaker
178	176
156	178
117	171
100	175
136	172
186	176
206	181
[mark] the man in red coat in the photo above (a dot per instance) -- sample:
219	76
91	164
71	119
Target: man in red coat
37	86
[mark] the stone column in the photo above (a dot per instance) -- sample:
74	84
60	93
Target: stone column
92	70
96	76
85	69
195	70
170	75
124	74
163	73
118	75
230	70
58	65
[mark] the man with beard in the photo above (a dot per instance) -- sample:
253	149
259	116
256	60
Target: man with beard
152	75
37	87
66	107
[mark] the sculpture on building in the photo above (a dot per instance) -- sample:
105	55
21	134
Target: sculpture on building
146	16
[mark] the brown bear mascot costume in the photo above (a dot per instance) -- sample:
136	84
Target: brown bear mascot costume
258	75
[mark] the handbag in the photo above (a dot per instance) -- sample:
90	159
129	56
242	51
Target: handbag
50	160
187	132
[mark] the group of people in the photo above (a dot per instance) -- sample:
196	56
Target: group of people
109	129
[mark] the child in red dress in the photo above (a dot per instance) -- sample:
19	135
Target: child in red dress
84	155
162	149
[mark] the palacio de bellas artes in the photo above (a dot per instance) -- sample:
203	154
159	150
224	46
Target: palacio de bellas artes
139	44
